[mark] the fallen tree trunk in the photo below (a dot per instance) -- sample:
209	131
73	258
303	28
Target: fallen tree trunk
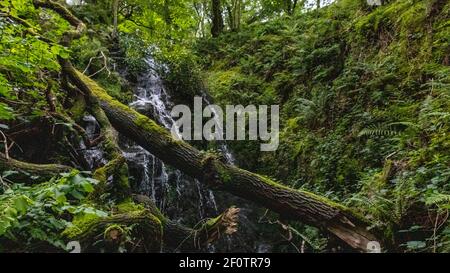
180	238
292	204
150	231
111	233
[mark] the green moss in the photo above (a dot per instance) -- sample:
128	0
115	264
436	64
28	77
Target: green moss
224	174
128	206
80	224
101	94
319	198
78	108
149	125
119	169
113	227
101	174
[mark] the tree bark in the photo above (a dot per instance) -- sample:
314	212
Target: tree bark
41	172
292	204
152	229
115	18
180	238
237	10
110	233
217	18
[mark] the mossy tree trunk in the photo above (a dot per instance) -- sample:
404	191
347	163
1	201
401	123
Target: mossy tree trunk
146	229
180	238
24	170
289	203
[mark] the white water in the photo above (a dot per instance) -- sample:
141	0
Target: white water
93	155
152	99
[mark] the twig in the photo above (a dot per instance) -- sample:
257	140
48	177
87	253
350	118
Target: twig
89	64
437	226
14	102
51	99
105	65
5	142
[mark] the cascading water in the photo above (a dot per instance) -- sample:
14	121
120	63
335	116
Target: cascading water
154	178
94	156
178	196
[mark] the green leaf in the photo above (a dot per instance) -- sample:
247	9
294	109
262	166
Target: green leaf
60	198
21	204
77	194
76	179
415	245
9	173
6	113
4	225
87	187
55	49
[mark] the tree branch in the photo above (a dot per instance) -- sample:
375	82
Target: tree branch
41	172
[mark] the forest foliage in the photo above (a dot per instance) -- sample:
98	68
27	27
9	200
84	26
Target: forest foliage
364	94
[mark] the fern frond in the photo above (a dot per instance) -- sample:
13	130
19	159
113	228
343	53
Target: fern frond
378	130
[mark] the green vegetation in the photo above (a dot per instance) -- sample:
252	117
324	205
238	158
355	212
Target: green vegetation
365	108
364	95
35	215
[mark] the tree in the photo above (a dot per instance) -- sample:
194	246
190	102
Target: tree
234	11
217	24
290	6
115	17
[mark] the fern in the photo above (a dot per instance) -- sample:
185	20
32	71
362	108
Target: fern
438	199
378	130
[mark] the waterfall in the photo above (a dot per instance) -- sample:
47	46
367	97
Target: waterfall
178	196
152	99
